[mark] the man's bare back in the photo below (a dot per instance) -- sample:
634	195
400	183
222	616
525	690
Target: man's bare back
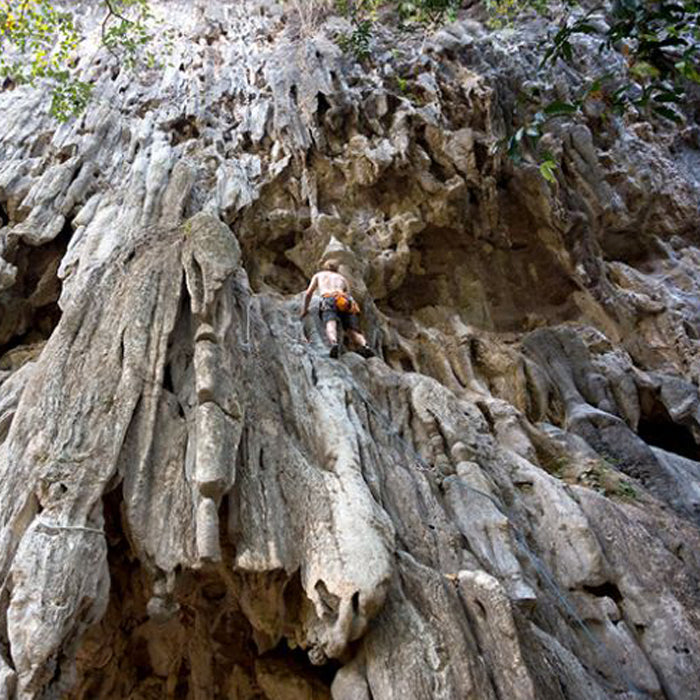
329	282
324	282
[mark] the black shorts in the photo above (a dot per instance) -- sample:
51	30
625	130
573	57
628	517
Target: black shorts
328	312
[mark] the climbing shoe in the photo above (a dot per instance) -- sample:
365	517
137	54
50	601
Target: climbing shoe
335	349
366	351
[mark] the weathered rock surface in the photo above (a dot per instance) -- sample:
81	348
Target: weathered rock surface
197	502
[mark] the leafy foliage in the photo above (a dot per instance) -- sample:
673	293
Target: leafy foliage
660	43
38	43
426	13
503	13
41	40
408	15
547	168
659	40
127	31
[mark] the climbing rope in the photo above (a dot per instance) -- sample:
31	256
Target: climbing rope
240	291
77	528
246	344
568	607
393	434
536	562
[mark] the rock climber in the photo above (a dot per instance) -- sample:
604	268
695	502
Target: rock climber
336	306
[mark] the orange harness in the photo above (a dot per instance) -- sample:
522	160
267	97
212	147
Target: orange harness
343	302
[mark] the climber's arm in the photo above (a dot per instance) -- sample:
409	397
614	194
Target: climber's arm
308	295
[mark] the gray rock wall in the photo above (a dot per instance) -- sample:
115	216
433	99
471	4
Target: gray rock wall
198	503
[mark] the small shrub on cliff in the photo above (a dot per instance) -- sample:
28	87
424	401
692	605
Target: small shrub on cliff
406	15
658	41
602	476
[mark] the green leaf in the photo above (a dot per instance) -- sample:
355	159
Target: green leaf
567	50
665	97
688	70
547	169
644	69
668	113
595	85
559	108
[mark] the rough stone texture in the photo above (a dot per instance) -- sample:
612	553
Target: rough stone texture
198	503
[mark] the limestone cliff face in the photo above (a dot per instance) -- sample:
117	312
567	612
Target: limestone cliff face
196	502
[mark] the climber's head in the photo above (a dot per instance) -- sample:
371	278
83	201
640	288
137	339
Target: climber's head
331	266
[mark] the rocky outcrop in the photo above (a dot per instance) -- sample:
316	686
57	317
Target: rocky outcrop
198	502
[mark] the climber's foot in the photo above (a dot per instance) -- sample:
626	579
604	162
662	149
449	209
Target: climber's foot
335	349
366	351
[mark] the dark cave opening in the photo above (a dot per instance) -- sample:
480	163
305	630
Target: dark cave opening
125	609
497	289
398	359
605	590
657	429
204	647
29	310
296	661
691	329
322	104
269	266
182	128
291	277
630	247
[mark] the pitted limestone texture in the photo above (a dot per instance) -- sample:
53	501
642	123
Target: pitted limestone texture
199	502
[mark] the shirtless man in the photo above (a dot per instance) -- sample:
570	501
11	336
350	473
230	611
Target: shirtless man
336	306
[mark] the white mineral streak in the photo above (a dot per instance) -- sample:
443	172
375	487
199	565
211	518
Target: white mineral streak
504	504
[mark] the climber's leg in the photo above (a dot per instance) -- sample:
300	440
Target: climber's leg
357	338
332	335
331	321
332	331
